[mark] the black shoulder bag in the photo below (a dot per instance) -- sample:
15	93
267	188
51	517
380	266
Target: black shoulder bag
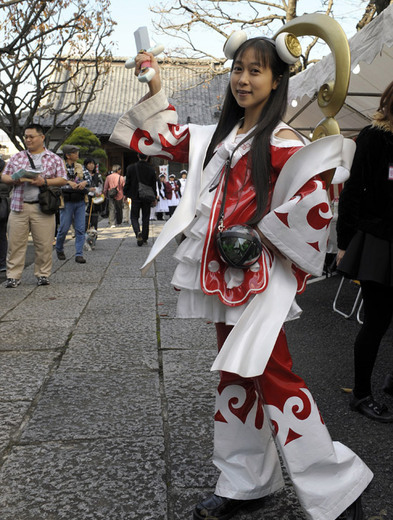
112	193
238	245
145	192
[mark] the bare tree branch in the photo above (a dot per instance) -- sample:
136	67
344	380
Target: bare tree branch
180	19
11	2
59	54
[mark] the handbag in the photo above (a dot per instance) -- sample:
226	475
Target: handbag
50	197
145	192
112	193
239	245
4	209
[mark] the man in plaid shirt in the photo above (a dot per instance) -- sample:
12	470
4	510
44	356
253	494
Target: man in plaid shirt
26	214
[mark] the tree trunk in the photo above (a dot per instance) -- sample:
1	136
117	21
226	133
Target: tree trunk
291	11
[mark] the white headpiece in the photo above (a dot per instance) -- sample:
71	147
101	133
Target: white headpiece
287	45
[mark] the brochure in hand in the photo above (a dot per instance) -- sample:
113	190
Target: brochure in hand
27	174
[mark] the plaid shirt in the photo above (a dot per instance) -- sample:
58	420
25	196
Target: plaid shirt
52	166
72	176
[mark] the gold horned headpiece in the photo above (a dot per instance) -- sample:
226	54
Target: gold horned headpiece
331	95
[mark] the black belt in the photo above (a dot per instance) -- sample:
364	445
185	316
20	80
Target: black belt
30	202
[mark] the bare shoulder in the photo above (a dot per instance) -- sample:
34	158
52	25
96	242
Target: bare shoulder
287	133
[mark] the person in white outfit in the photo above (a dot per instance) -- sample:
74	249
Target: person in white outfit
182	181
162	203
255	217
174	197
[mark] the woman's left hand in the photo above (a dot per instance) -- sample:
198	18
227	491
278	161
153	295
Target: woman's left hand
340	255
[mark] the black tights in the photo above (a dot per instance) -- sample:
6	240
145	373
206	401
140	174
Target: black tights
378	311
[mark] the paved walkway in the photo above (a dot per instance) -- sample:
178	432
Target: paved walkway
106	399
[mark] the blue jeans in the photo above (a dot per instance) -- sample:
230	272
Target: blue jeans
76	211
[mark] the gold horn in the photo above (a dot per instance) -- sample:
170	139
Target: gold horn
331	95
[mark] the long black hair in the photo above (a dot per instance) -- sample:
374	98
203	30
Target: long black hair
271	115
386	104
89	160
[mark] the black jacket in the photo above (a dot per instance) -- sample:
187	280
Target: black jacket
366	202
142	171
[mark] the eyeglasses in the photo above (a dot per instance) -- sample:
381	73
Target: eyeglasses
27	137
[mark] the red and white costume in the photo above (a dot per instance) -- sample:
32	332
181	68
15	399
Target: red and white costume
174	198
258	395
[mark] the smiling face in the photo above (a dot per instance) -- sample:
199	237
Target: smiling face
251	83
34	140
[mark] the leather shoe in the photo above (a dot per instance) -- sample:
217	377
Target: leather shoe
388	384
353	512
215	507
80	260
370	408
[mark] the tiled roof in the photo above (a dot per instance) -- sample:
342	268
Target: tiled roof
188	84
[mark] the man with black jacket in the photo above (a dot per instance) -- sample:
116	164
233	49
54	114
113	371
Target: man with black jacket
135	173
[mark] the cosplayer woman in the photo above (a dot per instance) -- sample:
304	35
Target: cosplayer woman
253	169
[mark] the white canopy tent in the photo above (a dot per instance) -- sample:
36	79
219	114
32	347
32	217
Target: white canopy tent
371	50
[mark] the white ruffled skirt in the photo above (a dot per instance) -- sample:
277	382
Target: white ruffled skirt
192	301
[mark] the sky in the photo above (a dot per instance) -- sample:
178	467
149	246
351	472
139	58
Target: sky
128	19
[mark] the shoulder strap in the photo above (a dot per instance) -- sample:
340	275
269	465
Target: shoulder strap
31	160
137	171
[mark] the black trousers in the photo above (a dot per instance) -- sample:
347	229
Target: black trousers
378	312
115	211
92	214
136	207
3	243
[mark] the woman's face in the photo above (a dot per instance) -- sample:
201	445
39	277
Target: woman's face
90	166
251	83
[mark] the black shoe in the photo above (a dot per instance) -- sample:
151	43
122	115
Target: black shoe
11	283
222	508
353	512
388	384
371	409
139	239
42	280
80	260
61	255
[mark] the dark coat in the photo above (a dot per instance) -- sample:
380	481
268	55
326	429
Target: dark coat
142	171
366	202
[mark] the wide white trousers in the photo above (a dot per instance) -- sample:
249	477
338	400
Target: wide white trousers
253	416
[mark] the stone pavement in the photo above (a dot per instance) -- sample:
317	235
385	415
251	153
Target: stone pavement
106	399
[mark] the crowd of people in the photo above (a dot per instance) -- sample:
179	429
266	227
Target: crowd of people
85	195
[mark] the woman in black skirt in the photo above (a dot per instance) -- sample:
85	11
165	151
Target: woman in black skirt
365	235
